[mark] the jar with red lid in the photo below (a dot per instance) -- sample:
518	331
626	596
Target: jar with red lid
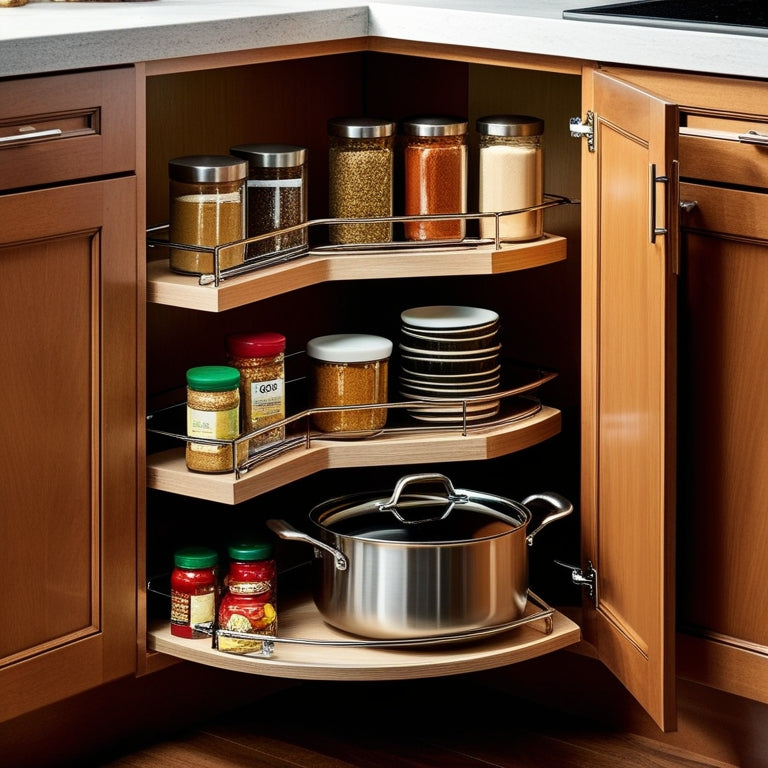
194	586
260	358
249	603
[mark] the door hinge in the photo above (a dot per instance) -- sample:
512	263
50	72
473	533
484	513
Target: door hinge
584	578
584	129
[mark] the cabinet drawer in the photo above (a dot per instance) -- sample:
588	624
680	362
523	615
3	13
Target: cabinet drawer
67	127
723	150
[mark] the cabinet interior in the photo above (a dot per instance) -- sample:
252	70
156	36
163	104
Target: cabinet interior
208	111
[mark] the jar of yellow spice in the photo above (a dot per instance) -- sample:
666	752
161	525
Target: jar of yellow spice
213	412
207	208
348	369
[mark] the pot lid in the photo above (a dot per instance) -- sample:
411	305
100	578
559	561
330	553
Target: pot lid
435	514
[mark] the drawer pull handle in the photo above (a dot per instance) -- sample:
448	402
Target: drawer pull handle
28	132
753	137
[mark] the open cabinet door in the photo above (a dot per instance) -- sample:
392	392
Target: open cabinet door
630	197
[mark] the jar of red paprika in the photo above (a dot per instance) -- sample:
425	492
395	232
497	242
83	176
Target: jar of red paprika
435	167
249	603
193	591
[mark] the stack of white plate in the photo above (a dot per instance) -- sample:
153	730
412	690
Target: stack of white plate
449	354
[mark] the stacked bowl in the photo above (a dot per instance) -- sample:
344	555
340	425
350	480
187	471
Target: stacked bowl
449	358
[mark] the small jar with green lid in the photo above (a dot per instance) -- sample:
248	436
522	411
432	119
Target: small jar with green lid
213	412
193	592
360	167
249	603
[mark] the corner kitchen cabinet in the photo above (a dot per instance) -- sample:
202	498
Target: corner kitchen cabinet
70	326
626	304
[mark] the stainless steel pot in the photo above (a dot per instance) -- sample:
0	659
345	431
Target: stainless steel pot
421	565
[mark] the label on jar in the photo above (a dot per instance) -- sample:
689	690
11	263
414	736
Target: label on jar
267	400
189	610
216	425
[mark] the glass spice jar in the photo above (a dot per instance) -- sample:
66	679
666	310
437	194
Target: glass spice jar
193	591
360	167
277	196
435	169
207	207
213	412
249	603
260	358
510	176
348	369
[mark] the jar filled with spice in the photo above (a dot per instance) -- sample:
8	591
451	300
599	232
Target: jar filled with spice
213	412
510	176
260	358
435	168
193	592
277	196
249	603
208	207
348	369
360	170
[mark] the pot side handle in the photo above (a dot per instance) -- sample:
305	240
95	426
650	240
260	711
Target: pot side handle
562	507
286	531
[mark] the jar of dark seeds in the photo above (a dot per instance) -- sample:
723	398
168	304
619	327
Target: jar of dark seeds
348	369
260	358
277	196
207	207
360	178
213	412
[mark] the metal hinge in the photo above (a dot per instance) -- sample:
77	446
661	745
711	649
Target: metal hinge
584	578
584	129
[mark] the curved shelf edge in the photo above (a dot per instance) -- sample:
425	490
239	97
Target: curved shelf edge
167	470
166	287
307	662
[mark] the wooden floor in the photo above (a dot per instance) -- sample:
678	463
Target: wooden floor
445	723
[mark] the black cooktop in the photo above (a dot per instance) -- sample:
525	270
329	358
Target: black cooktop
745	17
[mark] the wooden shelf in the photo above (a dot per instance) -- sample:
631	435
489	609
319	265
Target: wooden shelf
167	470
166	287
303	661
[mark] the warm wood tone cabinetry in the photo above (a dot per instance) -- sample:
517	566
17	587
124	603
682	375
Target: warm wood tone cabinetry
69	336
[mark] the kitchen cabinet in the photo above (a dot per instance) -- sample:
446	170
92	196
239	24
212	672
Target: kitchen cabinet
70	332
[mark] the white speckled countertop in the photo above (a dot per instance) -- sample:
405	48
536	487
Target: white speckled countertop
46	36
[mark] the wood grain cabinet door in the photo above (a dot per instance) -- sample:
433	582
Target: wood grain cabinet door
68	475
628	417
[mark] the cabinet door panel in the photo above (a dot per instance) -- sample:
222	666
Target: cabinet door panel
68	480
628	412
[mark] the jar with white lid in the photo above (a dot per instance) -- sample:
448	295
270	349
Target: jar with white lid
510	176
277	196
435	168
348	369
207	207
360	168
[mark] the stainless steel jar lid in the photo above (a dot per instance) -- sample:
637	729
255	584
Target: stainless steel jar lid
360	127
206	169
435	125
510	125
270	155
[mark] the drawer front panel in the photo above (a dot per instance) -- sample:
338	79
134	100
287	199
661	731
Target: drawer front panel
67	127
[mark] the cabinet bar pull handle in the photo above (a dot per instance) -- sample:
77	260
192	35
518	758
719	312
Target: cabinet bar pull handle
753	137
653	180
25	135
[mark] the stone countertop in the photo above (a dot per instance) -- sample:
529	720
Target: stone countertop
47	36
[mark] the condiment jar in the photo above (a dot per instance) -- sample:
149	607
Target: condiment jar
277	196
193	591
213	412
260	358
208	207
249	603
348	369
435	168
510	176
360	166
